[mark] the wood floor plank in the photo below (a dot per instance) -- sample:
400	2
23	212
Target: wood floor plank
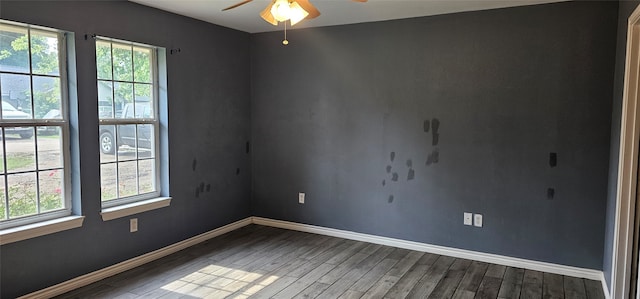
345	282
552	286
402	288
347	253
340	270
273	288
406	263
312	291
489	288
304	282
574	288
511	283
432	277
531	285
381	287
266	262
351	294
449	283
322	247
289	246
471	280
496	271
399	253
593	289
367	281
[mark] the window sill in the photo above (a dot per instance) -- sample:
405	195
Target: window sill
29	231
135	208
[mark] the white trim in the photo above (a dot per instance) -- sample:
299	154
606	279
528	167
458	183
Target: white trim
605	287
135	208
628	163
29	231
441	250
98	275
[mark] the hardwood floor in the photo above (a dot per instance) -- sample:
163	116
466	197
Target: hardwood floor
264	262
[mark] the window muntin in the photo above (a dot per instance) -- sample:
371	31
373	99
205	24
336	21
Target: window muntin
34	151
127	112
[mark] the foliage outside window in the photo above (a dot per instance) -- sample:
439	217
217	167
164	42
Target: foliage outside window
34	151
127	111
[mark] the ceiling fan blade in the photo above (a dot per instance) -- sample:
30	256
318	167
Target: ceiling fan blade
237	4
312	10
267	16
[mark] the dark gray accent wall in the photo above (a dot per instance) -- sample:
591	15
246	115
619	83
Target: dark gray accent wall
396	128
209	117
624	11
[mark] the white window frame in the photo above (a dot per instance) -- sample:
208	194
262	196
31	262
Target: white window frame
155	122
34	123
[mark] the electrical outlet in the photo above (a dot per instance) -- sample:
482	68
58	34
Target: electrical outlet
468	218
133	225
301	197
477	220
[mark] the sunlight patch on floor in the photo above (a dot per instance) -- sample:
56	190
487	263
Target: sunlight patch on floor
215	281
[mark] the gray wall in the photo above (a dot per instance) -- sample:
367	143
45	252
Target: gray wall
624	11
209	117
507	86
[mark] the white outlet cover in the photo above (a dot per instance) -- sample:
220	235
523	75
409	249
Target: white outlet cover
468	218
477	220
300	197
133	225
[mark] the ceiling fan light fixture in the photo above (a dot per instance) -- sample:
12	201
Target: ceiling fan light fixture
296	13
281	10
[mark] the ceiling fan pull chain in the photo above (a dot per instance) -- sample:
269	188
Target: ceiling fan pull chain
285	41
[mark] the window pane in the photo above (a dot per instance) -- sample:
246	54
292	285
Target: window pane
147	175
14	49
44	52
146	142
124	95
143	97
107	144
22	194
142	63
16	96
51	190
3	207
103	60
122	63
2	151
20	152
127	179
105	99
49	148
46	96
127	142
108	182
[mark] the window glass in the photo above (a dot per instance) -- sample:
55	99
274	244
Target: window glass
128	125
33	124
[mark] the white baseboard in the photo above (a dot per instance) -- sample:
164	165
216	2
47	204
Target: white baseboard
95	276
98	275
454	252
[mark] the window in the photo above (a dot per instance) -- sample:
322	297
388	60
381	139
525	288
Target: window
128	116
34	128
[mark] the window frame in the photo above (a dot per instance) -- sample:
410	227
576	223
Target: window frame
63	124
116	122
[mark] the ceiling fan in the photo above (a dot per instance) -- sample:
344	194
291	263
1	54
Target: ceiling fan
286	10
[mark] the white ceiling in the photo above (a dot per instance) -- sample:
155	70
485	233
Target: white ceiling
333	12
